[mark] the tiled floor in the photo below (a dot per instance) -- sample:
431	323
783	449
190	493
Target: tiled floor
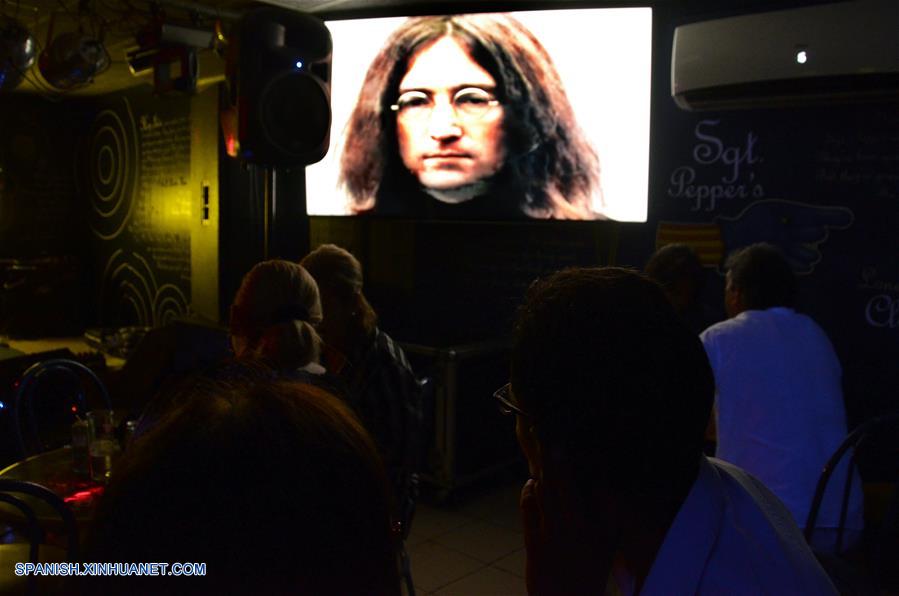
471	548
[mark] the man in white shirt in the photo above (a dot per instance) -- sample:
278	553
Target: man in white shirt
779	404
611	393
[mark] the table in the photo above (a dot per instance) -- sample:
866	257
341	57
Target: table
76	345
53	469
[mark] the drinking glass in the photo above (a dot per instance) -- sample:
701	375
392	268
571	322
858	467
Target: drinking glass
104	447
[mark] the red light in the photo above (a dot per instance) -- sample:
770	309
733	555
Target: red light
74	409
84	495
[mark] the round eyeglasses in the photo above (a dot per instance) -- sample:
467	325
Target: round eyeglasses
469	104
506	402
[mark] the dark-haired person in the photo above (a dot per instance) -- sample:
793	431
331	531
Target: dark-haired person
679	271
377	377
611	394
273	484
780	411
465	116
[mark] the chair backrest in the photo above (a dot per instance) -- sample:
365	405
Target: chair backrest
851	444
10	487
26	424
35	535
408	497
408	480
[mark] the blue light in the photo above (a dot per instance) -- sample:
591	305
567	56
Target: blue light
2	406
299	64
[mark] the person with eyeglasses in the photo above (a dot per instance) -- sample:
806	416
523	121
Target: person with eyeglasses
611	392
465	116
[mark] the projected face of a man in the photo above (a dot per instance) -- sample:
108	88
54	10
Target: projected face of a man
449	124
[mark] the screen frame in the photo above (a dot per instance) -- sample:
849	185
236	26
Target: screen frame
424	8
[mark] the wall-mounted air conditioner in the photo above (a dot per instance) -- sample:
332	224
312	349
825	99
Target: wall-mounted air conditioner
826	53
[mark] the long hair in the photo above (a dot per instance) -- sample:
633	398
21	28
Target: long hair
275	312
551	168
335	269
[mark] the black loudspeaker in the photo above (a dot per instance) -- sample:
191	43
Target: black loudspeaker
279	75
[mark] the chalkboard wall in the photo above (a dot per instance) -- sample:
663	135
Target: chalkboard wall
147	169
107	206
822	183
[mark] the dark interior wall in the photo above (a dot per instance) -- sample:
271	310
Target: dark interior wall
822	186
45	261
129	184
821	183
150	171
445	283
39	212
243	219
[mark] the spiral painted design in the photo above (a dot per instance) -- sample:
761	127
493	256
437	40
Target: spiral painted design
131	295
128	291
109	171
170	303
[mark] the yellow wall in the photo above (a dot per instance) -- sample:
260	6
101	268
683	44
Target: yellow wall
204	231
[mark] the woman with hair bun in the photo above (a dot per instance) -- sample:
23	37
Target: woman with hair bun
274	316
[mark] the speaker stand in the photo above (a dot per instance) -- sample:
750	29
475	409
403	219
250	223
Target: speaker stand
269	209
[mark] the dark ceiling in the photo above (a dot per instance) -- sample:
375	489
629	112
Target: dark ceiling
119	21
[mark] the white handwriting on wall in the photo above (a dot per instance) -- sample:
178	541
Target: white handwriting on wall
711	153
881	310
